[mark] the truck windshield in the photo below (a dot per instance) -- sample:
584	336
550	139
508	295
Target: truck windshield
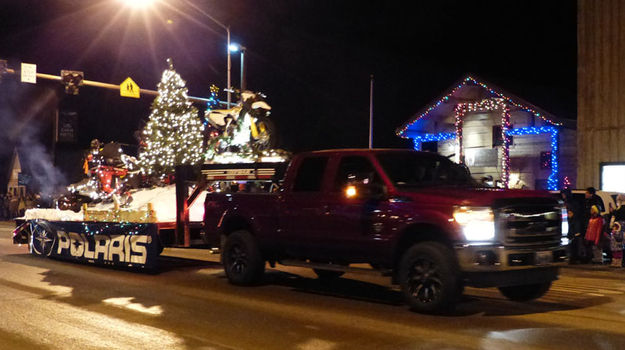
412	169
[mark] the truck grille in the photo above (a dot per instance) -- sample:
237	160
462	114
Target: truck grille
530	223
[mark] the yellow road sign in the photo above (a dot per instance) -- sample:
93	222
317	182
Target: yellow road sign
129	88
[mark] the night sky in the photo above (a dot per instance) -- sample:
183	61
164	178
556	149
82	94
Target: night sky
311	58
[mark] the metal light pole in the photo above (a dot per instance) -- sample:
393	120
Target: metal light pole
227	29
242	68
147	3
229	62
371	112
234	47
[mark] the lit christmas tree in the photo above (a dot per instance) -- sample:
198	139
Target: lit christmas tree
173	135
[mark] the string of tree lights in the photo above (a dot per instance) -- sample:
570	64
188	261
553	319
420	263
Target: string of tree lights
173	135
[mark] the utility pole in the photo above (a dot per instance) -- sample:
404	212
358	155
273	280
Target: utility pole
243	68
371	113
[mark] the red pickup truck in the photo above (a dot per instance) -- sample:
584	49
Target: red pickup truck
415	216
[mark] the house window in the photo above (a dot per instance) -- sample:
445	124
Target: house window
497	139
430	146
545	160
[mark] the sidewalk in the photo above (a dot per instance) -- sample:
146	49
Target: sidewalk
594	267
191	253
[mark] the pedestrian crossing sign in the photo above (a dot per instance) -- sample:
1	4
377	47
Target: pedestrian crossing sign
129	88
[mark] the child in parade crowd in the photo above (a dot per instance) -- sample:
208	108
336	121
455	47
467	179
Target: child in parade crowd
617	224
594	233
616	244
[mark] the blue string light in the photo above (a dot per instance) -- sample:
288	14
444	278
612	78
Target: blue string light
213	101
401	131
552	180
441	136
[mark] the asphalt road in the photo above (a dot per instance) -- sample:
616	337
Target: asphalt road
48	304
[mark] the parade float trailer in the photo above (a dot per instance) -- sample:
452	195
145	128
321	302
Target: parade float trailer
134	235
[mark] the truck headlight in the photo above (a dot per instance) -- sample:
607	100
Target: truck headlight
477	223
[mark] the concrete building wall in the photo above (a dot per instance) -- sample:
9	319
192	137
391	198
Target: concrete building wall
601	87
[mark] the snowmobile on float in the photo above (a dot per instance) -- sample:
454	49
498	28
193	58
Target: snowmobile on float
244	125
111	174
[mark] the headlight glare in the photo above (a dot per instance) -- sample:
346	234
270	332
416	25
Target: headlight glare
477	223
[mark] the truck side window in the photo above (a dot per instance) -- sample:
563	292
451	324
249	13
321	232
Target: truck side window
355	169
310	174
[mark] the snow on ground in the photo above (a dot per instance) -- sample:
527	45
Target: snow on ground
163	200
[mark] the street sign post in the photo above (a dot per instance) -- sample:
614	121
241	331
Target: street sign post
129	89
29	73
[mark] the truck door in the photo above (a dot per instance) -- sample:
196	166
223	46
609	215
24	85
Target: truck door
355	224
304	209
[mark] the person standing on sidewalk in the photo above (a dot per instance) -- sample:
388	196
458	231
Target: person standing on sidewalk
590	198
594	231
618	222
616	244
2	204
576	239
606	239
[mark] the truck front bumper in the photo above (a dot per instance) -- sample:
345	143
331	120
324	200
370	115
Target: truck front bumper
497	266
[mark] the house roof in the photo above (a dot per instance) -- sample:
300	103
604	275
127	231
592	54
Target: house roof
445	104
17	161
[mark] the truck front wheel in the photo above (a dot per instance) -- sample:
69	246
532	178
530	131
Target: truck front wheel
242	259
429	278
526	292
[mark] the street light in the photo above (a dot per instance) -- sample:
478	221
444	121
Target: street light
227	29
234	47
138	3
148	3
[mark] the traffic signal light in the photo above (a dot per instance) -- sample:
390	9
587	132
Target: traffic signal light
72	79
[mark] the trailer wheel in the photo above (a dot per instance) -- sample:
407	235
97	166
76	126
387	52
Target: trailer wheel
526	292
242	259
429	278
42	240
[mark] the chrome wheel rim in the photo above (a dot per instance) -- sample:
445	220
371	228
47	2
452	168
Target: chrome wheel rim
238	259
424	283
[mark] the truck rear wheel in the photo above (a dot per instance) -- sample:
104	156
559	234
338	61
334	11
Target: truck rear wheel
526	292
242	259
429	278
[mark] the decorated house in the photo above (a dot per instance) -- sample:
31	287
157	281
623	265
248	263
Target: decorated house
500	137
18	178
